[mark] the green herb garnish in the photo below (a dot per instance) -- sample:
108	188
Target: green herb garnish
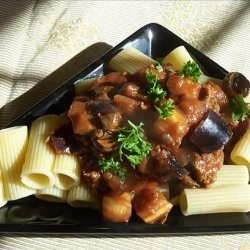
159	68
155	92
166	109
132	144
151	78
239	108
112	166
191	70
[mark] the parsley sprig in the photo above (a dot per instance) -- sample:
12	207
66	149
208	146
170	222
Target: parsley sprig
239	108
113	166
191	70
155	92
159	68
132	145
166	109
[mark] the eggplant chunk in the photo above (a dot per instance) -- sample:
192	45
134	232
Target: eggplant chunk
80	118
101	107
211	134
117	207
236	84
151	205
161	162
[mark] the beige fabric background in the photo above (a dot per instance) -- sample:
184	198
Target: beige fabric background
37	37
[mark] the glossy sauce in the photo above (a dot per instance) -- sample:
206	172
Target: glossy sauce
100	113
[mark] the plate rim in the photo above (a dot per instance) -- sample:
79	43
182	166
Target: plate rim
106	229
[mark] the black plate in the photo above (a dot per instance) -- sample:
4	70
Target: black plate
155	41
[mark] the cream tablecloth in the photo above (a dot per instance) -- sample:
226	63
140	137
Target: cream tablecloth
37	37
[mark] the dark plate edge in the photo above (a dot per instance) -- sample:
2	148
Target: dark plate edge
64	86
51	229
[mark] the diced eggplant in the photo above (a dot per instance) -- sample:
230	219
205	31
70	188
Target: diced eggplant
63	141
178	171
126	105
82	121
101	92
101	107
133	91
111	121
211	134
162	162
114	78
151	205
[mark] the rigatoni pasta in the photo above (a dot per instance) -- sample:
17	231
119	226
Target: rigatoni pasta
67	171
3	199
83	85
37	169
130	60
11	160
247	99
241	151
215	200
231	175
178	57
21	214
52	194
81	196
134	162
3	215
53	213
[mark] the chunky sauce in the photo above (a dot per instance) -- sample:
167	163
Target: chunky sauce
95	119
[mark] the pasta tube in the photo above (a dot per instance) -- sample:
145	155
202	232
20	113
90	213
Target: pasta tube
81	196
241	151
178	57
13	145
21	214
37	169
3	200
230	175
215	200
3	215
52	194
205	79
53	213
67	171
83	85
247	99
130	60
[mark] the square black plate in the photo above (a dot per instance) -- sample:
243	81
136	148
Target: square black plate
155	41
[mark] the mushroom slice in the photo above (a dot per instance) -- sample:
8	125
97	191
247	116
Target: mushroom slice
104	141
111	121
